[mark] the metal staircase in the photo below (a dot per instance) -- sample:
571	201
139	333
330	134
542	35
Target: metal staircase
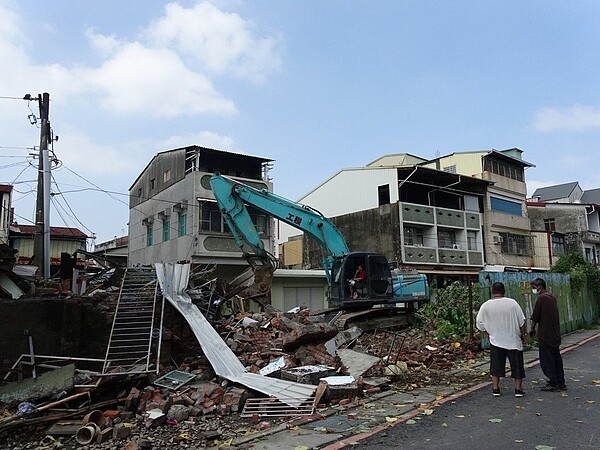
137	315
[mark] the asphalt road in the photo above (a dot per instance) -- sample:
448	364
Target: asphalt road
540	420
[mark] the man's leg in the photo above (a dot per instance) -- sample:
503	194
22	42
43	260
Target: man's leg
497	367
558	363
548	363
517	369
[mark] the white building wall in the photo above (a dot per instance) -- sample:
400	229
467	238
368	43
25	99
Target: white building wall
348	191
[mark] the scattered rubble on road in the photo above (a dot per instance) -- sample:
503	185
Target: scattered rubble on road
188	405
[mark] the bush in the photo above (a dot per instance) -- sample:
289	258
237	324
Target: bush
448	315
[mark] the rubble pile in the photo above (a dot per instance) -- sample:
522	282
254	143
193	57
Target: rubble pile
199	409
298	338
414	358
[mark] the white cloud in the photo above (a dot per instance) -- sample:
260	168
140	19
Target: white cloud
155	82
573	118
77	151
218	41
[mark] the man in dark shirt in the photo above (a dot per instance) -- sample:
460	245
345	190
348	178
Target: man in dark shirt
545	317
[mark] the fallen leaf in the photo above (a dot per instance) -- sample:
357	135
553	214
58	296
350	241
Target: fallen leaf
544	447
428	412
591	401
295	427
519	441
301	447
495	420
390	419
460	416
596	381
445	425
411	422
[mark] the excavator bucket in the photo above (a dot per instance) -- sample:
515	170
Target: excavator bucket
254	283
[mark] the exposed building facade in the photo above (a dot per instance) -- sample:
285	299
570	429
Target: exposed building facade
506	227
564	218
173	215
417	216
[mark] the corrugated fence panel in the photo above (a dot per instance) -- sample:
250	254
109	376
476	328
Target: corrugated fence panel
575	309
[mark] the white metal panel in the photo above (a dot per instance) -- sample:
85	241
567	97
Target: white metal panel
173	279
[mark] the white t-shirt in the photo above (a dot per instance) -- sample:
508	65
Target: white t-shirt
502	318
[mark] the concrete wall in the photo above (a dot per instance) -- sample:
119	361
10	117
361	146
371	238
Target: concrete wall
373	230
59	327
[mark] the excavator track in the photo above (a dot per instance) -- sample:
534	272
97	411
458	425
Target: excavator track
371	319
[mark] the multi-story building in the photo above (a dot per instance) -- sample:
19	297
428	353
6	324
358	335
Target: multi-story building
506	228
564	218
417	216
173	215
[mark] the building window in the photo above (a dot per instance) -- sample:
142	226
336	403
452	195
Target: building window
472	240
210	218
166	227
166	175
517	244
383	194
504	168
450	169
182	223
446	238
260	221
152	183
506	206
413	236
149	234
558	244
139	193
549	225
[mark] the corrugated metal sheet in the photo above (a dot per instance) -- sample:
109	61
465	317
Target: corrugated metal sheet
173	279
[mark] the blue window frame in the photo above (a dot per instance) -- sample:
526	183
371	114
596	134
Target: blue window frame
506	206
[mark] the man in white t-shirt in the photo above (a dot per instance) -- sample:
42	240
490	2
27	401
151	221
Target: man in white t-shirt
503	319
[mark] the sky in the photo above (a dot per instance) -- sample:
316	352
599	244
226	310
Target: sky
315	85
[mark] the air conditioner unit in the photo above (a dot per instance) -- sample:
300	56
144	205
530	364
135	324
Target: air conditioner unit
498	239
456	246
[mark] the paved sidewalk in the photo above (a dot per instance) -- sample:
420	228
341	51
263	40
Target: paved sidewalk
338	427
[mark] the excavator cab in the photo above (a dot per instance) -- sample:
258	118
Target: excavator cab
349	291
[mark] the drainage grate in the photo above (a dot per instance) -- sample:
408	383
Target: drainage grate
271	407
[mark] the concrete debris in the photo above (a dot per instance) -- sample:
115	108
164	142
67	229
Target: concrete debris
356	363
307	374
44	385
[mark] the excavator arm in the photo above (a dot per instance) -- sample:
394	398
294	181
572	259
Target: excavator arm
232	198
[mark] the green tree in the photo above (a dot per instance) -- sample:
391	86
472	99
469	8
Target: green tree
582	272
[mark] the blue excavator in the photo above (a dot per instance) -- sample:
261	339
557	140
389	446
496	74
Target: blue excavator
379	286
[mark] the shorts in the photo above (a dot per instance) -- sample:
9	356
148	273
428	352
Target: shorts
498	357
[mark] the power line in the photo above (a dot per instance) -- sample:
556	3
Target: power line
69	206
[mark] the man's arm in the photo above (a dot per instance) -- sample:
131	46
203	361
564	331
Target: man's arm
479	320
532	329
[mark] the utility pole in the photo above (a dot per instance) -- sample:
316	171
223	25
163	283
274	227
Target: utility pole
41	238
